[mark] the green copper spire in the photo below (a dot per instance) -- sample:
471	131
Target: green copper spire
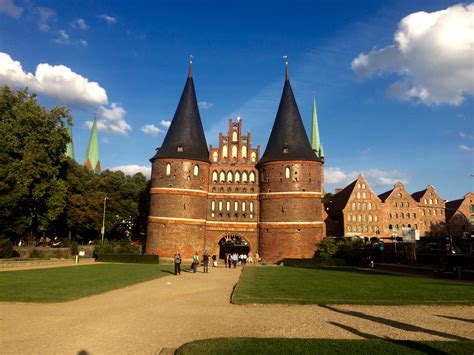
315	142
70	145
92	153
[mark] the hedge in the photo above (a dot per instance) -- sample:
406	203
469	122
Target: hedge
129	258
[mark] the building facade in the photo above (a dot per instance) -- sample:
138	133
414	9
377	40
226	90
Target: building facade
460	216
228	198
400	211
431	211
355	210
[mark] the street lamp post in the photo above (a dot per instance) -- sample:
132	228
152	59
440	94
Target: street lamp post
102	231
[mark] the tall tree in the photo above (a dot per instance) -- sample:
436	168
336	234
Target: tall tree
33	142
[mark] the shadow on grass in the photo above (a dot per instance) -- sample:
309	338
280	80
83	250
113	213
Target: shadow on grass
167	271
352	269
424	348
457	318
395	324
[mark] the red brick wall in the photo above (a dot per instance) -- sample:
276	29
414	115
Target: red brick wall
294	198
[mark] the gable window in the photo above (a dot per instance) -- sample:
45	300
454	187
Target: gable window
244	151
224	151
253	157
234	152
214	156
244	177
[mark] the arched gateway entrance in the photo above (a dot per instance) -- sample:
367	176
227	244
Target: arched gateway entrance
233	243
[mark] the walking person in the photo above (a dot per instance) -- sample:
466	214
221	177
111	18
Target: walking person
177	263
235	259
229	259
195	262
205	261
214	260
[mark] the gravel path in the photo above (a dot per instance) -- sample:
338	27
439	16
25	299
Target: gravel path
173	310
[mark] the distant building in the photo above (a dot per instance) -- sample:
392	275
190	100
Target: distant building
70	144
432	219
355	210
400	211
91	160
460	216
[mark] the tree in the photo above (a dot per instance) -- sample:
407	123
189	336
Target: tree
33	141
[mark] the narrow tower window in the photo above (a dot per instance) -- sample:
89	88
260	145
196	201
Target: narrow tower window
222	177
287	172
234	152
168	169
229	176
213	205
243	206
234	136
244	177
237	177
251	206
214	176
196	170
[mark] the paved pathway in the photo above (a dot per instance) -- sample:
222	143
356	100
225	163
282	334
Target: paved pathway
173	310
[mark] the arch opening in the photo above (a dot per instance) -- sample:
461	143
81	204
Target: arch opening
233	243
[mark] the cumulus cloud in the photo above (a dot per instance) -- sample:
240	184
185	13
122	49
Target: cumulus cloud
465	148
9	8
432	54
376	177
80	24
111	120
133	169
108	19
56	81
165	123
45	15
205	105
151	129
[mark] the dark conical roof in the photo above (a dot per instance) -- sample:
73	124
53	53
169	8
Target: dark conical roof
185	137
288	139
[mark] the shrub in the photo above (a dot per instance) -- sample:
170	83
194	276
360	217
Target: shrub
74	248
352	251
6	249
121	247
327	248
130	258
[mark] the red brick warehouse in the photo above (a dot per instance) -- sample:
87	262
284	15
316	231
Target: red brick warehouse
227	198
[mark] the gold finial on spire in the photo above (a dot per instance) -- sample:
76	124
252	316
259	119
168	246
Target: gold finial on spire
285	57
190	74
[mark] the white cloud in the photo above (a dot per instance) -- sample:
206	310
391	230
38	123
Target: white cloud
80	24
432	54
133	169
165	123
56	81
111	120
108	19
83	43
45	15
63	37
9	8
376	177
465	148
151	129
205	105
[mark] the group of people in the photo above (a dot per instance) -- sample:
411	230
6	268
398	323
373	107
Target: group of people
230	260
195	263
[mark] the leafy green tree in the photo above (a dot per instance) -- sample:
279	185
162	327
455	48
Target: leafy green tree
33	141
327	248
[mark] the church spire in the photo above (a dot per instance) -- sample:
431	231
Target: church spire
185	137
70	144
288	139
315	141
92	153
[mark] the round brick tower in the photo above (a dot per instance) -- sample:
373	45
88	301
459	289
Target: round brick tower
179	183
290	188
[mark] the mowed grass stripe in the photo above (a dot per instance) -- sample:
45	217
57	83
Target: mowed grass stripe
69	283
293	285
247	346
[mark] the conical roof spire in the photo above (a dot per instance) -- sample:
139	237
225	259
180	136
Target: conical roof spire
315	142
185	137
288	139
70	145
92	153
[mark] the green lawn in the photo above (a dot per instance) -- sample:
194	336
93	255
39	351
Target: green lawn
69	283
259	346
344	286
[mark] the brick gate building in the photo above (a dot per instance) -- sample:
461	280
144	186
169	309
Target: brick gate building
227	198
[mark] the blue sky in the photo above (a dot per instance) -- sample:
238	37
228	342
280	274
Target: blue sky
394	93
